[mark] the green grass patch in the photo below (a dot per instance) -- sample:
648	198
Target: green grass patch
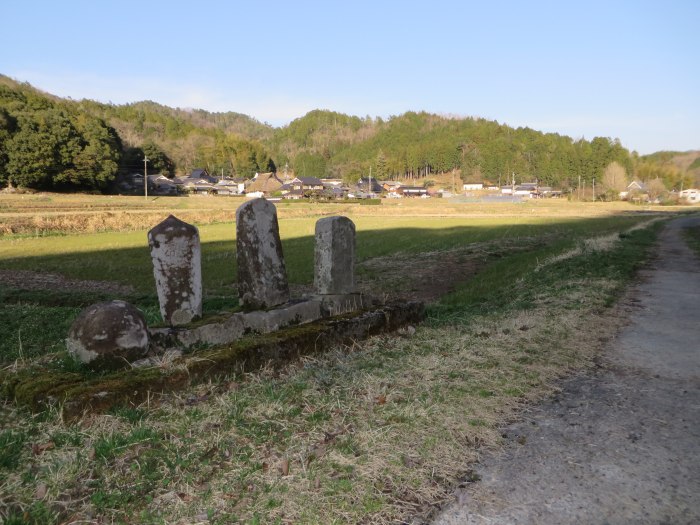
11	445
123	257
349	436
692	238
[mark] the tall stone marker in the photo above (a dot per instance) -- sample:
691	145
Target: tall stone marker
262	274
177	268
334	256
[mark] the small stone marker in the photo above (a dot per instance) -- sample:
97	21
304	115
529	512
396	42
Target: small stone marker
108	335
334	257
262	275
177	268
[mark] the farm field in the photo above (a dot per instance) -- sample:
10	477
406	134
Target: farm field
400	246
518	295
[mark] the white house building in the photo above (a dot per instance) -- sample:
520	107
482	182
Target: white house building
690	195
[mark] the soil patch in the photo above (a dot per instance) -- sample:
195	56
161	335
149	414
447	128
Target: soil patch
29	280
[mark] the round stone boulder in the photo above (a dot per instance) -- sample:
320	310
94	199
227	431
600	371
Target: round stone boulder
108	335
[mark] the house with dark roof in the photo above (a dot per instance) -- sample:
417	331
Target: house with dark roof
369	185
201	173
307	184
161	185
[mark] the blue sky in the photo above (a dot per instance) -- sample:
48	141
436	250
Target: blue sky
625	69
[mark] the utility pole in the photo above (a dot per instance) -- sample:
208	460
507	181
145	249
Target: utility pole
145	177
593	189
369	189
578	189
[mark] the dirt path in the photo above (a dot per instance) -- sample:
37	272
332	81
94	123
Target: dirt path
618	446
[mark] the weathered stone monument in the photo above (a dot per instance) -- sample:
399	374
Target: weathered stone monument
262	274
108	335
177	268
334	256
114	334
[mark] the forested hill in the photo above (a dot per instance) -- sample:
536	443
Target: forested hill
51	143
416	145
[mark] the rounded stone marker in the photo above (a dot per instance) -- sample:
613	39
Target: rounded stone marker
108	335
177	268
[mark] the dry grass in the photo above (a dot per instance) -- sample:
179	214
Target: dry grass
373	433
376	432
42	214
602	243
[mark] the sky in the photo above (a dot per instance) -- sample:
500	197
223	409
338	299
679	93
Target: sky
618	69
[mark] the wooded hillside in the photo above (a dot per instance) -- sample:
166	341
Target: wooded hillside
51	143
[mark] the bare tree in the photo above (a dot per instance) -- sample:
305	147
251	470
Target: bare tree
614	181
656	189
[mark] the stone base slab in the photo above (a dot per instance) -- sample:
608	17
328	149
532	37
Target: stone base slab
78	393
234	326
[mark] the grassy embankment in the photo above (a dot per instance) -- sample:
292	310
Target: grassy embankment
692	237
373	433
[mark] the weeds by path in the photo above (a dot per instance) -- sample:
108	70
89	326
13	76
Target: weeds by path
373	433
692	237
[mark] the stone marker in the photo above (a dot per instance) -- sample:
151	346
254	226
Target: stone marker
334	257
262	275
108	335
177	268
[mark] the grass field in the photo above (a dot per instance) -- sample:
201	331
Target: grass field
376	433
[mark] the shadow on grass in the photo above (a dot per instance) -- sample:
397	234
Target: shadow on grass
37	321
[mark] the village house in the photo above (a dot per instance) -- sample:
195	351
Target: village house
391	188
194	186
157	184
265	183
332	183
369	186
201	173
473	186
413	191
690	195
634	188
288	192
198	182
161	185
306	184
130	183
548	191
229	187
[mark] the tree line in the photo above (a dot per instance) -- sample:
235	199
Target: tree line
56	144
48	143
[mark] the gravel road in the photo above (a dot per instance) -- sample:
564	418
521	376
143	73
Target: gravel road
621	444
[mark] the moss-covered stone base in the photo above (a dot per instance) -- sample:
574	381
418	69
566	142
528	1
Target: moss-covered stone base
75	393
